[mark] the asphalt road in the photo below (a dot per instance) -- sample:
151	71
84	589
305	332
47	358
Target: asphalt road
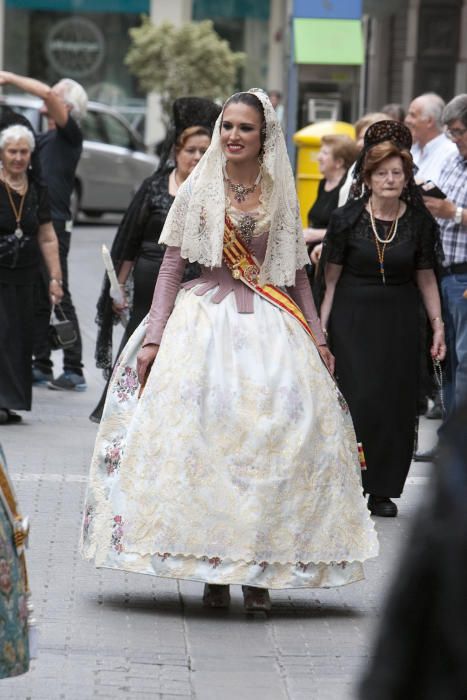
107	634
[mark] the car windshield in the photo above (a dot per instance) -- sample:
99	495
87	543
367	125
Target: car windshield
31	113
118	134
92	128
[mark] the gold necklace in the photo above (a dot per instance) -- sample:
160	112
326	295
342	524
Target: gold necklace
383	241
17	212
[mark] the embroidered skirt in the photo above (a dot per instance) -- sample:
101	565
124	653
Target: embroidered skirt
14	633
236	465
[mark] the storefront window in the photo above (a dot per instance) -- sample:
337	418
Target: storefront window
86	40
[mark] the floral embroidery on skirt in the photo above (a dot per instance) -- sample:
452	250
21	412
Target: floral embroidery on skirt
237	464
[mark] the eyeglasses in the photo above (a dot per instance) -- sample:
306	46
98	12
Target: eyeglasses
455	133
384	174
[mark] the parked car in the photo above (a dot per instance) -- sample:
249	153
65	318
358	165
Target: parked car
135	116
114	161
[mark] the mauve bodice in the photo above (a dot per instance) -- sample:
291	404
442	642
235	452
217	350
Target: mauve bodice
221	277
169	283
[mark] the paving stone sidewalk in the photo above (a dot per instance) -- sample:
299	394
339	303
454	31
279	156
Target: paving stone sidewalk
107	634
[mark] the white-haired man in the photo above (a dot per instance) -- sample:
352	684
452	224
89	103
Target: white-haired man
64	105
431	147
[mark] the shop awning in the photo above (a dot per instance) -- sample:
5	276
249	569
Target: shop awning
328	41
134	6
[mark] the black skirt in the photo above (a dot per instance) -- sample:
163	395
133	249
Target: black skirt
16	337
374	334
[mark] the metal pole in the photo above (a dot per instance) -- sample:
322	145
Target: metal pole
364	72
178	12
2	33
292	96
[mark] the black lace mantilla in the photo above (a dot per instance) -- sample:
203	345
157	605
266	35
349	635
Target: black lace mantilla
186	112
153	196
388	130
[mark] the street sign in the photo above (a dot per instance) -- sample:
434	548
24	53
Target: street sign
328	9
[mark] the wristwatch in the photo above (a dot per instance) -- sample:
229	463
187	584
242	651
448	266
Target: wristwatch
458	215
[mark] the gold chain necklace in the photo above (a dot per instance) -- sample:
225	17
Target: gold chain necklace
17	212
241	191
383	241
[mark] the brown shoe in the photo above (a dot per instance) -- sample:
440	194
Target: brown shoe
216	596
256	599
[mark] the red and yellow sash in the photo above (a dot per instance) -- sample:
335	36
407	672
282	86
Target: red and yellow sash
244	267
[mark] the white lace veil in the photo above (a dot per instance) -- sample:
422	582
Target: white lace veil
195	222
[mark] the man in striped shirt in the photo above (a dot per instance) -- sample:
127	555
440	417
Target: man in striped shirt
452	218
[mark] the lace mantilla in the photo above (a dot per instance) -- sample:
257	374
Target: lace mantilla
195	222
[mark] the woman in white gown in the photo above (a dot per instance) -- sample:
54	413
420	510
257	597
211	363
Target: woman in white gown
226	454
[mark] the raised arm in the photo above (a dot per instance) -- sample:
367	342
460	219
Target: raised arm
56	107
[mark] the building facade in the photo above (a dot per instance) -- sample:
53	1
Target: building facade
85	40
408	47
419	46
88	39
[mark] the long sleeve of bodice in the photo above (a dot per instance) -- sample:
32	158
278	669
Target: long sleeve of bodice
165	293
169	282
301	294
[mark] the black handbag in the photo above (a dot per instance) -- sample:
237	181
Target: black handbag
62	333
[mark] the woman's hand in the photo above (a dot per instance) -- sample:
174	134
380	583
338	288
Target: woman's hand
316	253
144	361
438	345
328	357
55	291
120	308
428	287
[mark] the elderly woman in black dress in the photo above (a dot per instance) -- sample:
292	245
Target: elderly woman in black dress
380	251
136	252
26	233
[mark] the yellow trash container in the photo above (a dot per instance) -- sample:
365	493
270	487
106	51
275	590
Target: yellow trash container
308	142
